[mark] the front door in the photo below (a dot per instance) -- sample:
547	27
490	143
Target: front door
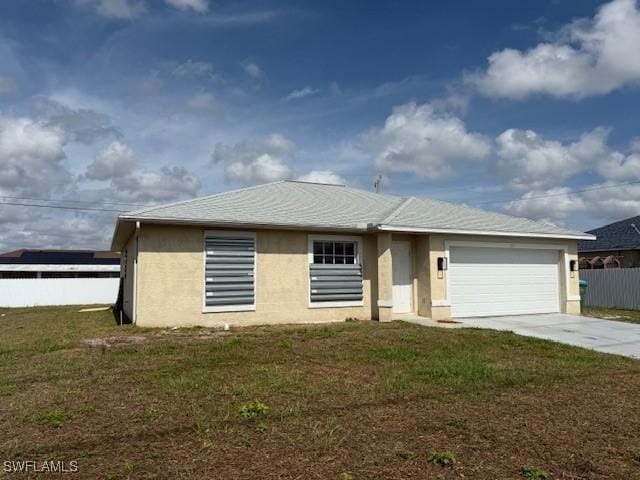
402	284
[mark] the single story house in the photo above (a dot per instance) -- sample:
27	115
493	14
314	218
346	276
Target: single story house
294	252
617	245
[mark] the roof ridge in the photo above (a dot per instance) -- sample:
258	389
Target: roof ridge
394	213
206	197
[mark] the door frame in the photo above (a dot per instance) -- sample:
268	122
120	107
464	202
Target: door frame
409	244
563	264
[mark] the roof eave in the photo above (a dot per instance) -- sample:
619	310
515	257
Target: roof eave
453	231
236	224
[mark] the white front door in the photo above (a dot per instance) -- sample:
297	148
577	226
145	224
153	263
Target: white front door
402	284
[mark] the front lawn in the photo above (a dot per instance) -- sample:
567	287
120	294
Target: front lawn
357	400
631	316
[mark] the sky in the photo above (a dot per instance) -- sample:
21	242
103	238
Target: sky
106	106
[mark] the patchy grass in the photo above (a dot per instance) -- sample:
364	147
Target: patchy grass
630	316
356	400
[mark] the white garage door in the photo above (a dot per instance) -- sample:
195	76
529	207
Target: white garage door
503	281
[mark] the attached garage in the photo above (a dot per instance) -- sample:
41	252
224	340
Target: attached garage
489	280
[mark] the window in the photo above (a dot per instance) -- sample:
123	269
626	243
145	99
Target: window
335	272
334	253
229	271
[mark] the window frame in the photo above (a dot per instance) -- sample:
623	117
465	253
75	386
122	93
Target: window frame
228	308
358	258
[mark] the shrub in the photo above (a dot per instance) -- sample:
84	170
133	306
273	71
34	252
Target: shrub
534	473
444	459
253	409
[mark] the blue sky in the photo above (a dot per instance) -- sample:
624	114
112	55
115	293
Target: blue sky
528	108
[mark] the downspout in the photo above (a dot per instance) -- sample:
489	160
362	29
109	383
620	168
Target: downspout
134	310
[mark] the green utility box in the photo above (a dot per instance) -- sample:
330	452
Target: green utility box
583	292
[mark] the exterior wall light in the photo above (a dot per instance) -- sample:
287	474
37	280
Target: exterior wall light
442	264
573	267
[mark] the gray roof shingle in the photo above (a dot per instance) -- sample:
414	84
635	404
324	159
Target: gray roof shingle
300	204
616	236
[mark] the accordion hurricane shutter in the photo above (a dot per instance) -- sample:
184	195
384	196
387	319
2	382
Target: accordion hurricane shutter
229	272
336	273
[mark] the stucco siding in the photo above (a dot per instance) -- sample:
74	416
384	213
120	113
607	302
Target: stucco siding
171	280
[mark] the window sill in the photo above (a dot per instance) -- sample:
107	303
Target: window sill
336	304
229	308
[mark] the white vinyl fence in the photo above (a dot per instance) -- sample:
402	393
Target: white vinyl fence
612	288
31	292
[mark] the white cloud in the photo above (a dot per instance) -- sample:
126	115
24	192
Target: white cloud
119	9
200	6
253	70
322	176
604	201
589	57
420	139
256	162
31	157
131	182
303	92
116	160
555	205
528	160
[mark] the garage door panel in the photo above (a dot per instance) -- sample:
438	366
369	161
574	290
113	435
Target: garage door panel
497	281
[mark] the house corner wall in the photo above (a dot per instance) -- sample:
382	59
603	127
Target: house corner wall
385	277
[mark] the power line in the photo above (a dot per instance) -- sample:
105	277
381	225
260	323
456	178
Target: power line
62	207
61	200
559	194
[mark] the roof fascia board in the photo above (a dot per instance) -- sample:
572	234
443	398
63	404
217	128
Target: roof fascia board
390	228
263	226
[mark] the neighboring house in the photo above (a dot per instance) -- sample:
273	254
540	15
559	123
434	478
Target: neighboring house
617	245
294	252
58	277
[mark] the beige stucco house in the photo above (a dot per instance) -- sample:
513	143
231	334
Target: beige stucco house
295	252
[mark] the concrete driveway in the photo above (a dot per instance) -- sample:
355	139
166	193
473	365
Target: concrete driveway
596	334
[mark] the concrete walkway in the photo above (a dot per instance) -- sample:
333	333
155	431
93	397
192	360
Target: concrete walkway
606	336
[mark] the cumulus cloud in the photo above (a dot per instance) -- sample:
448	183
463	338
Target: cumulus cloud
554	205
200	6
528	160
423	140
605	201
589	57
31	157
301	93
131	182
82	125
251	163
322	176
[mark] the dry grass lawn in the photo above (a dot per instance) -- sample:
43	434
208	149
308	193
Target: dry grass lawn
358	400
619	315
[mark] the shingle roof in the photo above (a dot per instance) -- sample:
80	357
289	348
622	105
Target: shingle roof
311	205
615	236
